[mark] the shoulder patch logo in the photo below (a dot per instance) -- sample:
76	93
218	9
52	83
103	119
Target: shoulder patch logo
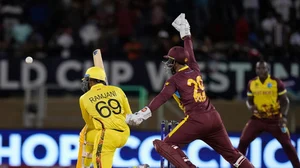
269	85
167	83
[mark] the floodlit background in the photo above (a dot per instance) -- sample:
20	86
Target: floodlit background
40	116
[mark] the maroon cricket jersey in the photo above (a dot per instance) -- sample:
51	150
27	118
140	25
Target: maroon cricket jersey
186	86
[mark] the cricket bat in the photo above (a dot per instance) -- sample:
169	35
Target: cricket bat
98	61
97	57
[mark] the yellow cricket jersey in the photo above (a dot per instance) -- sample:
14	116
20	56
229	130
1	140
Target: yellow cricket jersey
265	95
107	105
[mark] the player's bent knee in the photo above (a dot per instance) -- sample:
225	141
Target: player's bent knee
170	153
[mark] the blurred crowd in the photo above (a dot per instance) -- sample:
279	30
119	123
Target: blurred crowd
236	30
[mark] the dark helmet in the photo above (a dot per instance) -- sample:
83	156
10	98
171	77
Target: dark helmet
178	54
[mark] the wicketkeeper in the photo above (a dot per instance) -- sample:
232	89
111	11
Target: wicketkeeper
202	121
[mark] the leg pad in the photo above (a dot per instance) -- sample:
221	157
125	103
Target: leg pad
169	153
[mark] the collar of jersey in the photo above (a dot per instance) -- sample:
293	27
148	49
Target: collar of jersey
269	76
183	68
97	85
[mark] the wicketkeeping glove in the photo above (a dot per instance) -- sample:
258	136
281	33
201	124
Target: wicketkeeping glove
144	113
182	25
133	119
141	115
178	21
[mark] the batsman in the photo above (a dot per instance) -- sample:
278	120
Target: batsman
202	121
104	109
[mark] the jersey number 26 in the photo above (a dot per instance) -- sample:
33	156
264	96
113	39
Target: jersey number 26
199	93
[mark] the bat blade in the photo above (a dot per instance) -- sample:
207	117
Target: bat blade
98	61
97	57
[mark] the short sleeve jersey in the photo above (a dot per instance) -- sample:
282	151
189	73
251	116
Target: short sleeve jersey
265	95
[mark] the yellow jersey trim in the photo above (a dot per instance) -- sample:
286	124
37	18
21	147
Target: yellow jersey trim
178	126
282	92
249	94
178	102
170	57
183	68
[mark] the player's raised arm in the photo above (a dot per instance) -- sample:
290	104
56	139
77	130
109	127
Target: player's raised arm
188	46
183	27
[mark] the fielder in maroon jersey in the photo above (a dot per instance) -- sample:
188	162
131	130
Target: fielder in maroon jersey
201	121
269	104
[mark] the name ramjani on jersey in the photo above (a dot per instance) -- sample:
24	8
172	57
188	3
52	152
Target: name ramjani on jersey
96	98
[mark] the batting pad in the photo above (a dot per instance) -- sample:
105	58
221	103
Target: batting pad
169	153
79	163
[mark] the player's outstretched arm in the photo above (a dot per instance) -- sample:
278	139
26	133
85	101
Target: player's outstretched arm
183	27
145	113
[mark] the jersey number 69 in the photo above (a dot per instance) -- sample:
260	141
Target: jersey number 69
106	108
